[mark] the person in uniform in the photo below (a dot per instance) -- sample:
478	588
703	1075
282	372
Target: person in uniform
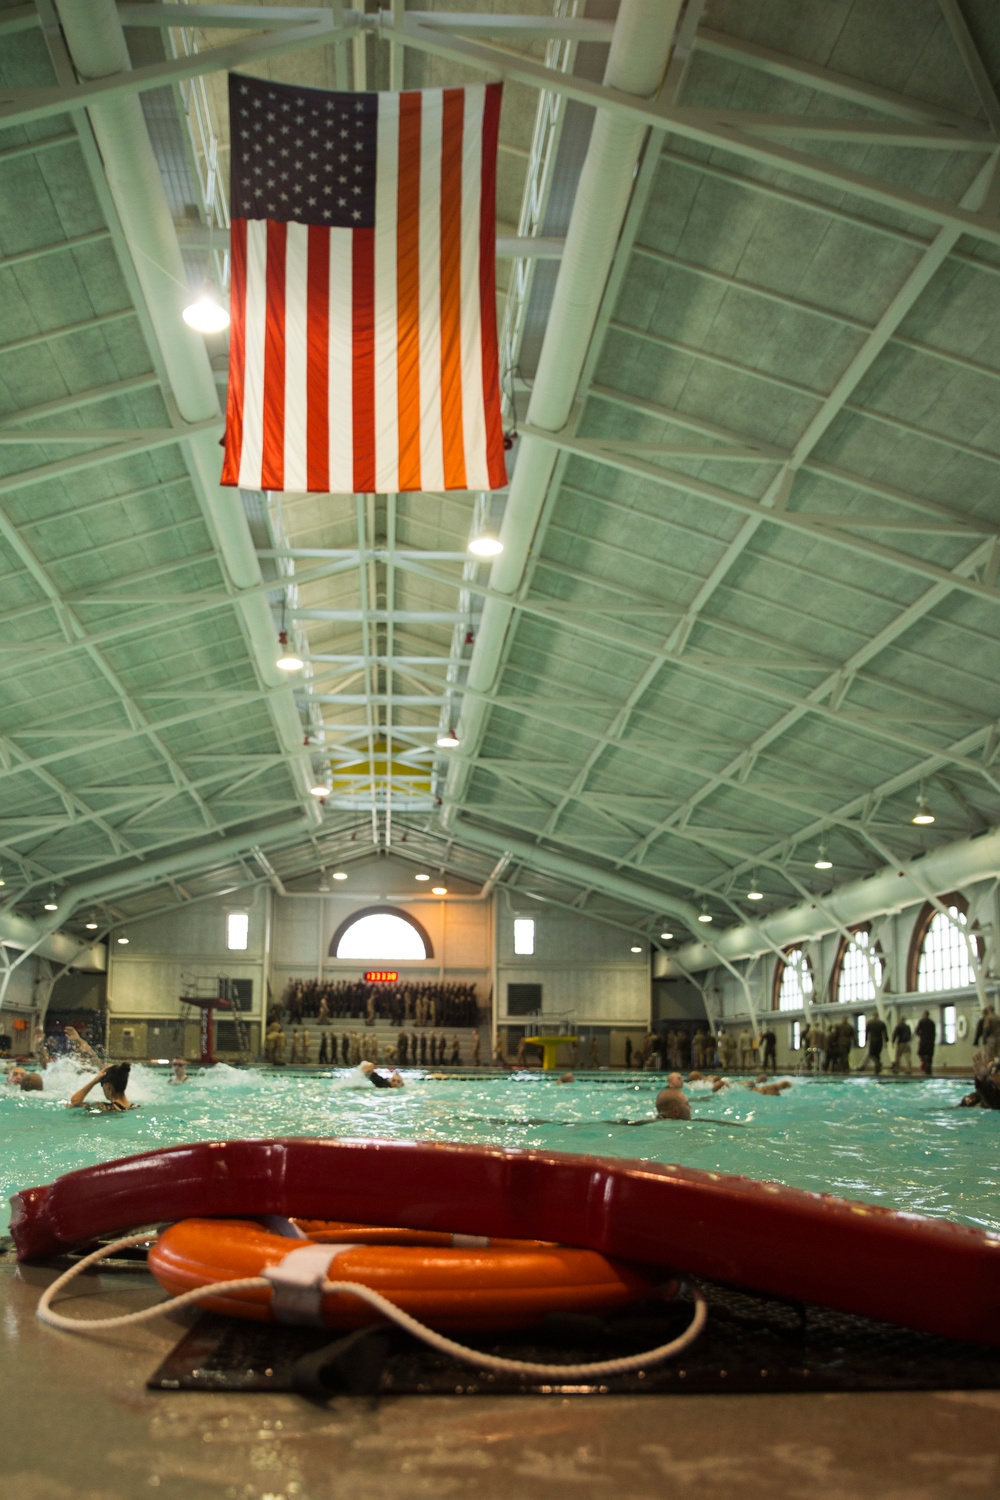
878	1035
901	1039
926	1038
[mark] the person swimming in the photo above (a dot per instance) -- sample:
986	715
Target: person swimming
671	1102
114	1081
762	1086
381	1080
179	1066
986	1076
29	1083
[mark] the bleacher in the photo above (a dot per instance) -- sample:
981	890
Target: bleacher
386	1038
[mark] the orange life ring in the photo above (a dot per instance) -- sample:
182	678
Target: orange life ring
450	1282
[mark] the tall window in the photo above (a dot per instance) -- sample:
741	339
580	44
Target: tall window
524	934
853	966
939	951
793	981
382	934
949	1023
237	929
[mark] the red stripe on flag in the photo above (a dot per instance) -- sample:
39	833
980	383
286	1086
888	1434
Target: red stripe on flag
363	281
272	469
237	351
452	428
487	289
318	360
408	291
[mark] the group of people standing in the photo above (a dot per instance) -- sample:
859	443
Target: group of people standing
410	1003
413	1049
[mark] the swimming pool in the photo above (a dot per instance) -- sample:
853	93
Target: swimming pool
902	1145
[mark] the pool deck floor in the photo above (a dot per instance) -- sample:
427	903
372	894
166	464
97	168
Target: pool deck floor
79	1424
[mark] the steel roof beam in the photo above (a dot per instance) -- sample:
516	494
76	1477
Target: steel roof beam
824	80
23	106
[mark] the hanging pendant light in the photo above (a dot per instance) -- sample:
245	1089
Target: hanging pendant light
754	893
449	740
205	313
486	543
51	904
821	862
288	658
923	816
704	915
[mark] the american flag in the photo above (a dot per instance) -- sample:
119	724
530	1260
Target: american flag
363	343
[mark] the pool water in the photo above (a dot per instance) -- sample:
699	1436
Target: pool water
904	1145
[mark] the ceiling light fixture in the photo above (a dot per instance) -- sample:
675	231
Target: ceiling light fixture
421	877
289	659
92	923
324	883
340	874
667	936
449	740
123	939
321	786
2	881
206	313
754	893
486	543
923	816
439	890
704	915
821	862
51	904
635	948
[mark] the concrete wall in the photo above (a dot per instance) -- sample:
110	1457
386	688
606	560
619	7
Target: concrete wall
893	933
584	967
173	954
460	928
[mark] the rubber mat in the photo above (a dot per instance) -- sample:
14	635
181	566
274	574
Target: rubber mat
751	1344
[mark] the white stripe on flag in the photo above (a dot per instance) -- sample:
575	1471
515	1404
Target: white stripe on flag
341	387
252	454
386	330
431	430
296	265
477	474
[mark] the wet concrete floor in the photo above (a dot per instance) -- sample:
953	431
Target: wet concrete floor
77	1423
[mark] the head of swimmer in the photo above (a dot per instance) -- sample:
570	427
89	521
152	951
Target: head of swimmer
671	1103
29	1082
179	1066
114	1081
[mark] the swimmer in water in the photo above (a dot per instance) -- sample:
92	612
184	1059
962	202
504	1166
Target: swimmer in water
566	1078
763	1087
985	1095
671	1103
393	1081
29	1083
179	1066
114	1081
79	1046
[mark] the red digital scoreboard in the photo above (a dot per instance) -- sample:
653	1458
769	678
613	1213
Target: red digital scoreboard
381	976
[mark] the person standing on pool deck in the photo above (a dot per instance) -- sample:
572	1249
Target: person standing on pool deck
768	1046
901	1037
878	1035
926	1037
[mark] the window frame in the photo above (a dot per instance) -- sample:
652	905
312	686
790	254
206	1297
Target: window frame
377	911
838	964
779	971
918	938
232	947
522	923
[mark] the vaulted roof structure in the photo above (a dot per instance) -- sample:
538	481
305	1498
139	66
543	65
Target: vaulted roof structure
747	607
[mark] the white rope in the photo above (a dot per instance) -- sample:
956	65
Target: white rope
375	1299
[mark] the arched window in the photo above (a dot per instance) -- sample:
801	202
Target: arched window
382	934
939	953
852	980
793	981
